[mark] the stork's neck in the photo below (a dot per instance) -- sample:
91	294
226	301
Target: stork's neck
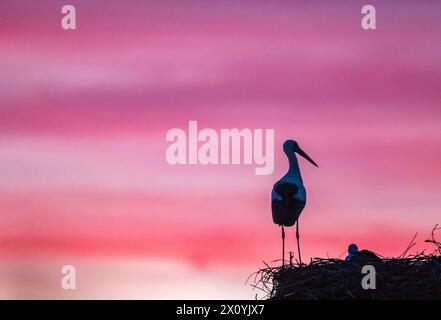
294	169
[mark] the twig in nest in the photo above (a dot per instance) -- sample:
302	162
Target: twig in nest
411	244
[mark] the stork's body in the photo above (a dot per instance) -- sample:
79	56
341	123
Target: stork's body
288	197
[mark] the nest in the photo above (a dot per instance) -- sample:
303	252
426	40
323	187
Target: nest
416	277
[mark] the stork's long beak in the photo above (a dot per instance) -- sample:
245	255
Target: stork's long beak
304	155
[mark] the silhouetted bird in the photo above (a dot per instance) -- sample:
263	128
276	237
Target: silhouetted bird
352	250
289	194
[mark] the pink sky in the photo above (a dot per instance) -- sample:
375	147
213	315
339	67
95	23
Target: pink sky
84	114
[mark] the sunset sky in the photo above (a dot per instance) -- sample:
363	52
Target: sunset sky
84	114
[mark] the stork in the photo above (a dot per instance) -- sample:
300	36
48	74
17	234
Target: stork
288	197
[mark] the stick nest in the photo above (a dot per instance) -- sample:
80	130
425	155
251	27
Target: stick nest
413	277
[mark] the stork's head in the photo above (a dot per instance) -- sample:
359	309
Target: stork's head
291	146
352	248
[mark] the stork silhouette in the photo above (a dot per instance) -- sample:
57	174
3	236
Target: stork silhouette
288	197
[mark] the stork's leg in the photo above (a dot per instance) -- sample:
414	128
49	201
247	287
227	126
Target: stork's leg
298	241
283	246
